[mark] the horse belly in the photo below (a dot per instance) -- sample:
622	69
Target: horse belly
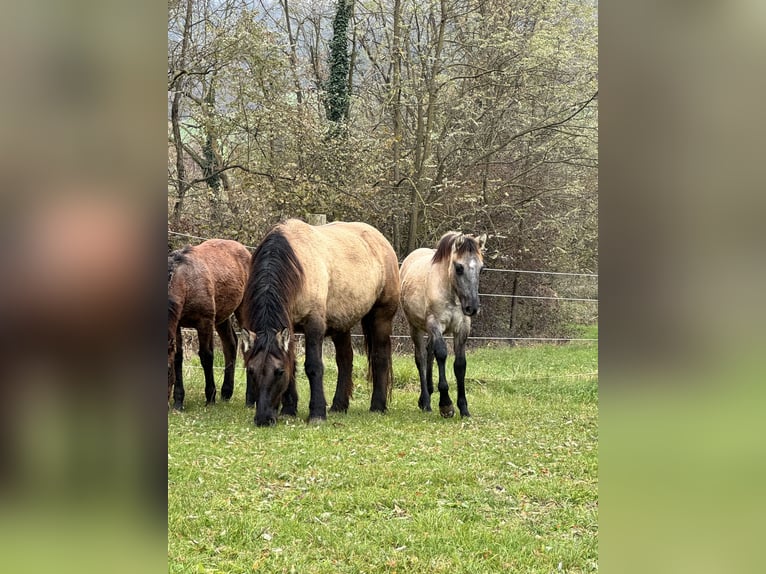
414	308
347	303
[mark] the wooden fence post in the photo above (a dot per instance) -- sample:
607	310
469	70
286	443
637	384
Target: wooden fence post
317	219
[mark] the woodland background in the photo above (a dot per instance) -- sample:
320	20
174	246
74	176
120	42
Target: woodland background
415	116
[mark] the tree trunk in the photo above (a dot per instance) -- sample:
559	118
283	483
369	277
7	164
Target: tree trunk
396	113
182	185
426	113
293	54
352	56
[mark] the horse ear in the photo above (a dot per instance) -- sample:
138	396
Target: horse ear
283	338
482	239
248	340
459	240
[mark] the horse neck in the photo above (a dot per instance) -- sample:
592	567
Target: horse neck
272	317
441	281
443	269
275	281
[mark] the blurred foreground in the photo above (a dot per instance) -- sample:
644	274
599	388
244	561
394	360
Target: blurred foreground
82	425
682	455
82	430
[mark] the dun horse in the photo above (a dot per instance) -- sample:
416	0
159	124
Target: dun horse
320	281
440	294
205	287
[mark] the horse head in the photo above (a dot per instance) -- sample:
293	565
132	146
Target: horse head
269	364
466	262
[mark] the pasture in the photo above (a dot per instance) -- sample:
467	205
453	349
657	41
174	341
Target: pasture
513	488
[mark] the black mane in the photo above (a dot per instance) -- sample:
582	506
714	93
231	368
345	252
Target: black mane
444	247
276	276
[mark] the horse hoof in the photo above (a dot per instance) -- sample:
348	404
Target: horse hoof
338	409
447	412
316	420
378	407
178	407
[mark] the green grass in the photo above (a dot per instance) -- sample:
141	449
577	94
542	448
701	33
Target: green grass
512	488
585	331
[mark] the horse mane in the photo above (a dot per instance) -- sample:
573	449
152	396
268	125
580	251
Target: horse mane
444	247
276	276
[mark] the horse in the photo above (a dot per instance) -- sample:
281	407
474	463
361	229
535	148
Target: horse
206	284
439	295
320	281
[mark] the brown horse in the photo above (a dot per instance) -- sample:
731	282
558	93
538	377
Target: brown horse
205	287
320	281
440	294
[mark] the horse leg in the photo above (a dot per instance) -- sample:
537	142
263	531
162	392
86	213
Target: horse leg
249	391
229	343
377	326
459	368
430	367
205	336
290	397
421	360
178	364
314	367
436	339
344	359
249	388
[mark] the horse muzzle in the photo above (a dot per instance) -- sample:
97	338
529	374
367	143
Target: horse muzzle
470	310
265	419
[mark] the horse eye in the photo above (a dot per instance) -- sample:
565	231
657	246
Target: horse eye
458	268
279	372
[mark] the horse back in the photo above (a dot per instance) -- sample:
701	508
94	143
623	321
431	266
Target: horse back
215	280
349	267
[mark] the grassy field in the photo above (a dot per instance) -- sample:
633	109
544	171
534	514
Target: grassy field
514	488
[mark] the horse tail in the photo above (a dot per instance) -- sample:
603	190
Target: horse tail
176	258
370	346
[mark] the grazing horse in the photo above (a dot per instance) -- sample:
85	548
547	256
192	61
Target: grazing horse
205	287
319	281
440	294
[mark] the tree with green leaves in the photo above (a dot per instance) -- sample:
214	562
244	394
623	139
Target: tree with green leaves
337	98
416	116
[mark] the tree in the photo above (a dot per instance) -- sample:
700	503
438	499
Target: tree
478	115
176	86
337	97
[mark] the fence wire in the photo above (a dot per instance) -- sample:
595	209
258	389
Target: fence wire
500	295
